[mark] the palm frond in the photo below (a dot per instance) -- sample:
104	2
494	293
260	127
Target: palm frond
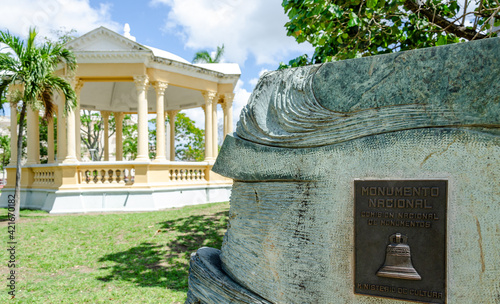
3	88
219	54
48	103
8	64
63	55
202	57
30	42
56	53
205	57
13	42
65	88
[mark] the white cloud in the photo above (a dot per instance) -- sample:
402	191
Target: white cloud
241	97
254	81
245	27
46	15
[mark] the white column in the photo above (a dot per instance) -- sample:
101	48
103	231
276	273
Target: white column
141	83
13	134
119	135
78	130
171	123
224	114
215	129
70	138
160	87
209	98
37	137
78	125
61	131
50	141
32	137
105	118
167	142
71	124
228	113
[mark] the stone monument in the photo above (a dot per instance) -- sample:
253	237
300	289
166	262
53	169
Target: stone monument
372	180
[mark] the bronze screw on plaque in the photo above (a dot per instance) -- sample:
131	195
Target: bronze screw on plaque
397	263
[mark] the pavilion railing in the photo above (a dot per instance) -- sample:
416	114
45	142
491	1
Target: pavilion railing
107	175
187	173
99	175
43	176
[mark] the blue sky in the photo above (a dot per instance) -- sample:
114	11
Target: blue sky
252	31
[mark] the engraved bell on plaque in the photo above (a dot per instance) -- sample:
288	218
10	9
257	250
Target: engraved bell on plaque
397	263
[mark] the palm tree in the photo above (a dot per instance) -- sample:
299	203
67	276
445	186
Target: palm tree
29	70
205	57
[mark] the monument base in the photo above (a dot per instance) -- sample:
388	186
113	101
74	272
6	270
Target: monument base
209	284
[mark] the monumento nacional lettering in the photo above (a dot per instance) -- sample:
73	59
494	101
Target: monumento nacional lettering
400	239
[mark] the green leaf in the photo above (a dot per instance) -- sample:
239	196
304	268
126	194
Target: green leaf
353	21
442	40
335	10
371	3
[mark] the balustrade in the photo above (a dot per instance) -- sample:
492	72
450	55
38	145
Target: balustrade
99	176
43	176
187	174
117	174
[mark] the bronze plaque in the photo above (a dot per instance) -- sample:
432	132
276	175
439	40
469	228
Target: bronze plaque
400	239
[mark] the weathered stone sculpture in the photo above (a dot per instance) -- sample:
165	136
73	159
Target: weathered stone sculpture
325	155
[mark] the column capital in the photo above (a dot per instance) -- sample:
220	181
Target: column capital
160	87
78	87
76	84
105	113
172	113
209	96
141	82
70	79
228	97
118	115
228	101
74	81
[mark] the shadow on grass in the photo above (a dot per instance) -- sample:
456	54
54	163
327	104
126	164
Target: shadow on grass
167	265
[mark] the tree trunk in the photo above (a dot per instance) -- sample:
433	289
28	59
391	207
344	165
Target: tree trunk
17	197
446	25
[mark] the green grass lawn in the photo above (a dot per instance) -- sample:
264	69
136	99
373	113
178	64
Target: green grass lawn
106	258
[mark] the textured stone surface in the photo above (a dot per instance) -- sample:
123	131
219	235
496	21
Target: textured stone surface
454	85
291	235
209	284
307	134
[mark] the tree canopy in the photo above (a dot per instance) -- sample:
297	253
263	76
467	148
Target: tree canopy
344	29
